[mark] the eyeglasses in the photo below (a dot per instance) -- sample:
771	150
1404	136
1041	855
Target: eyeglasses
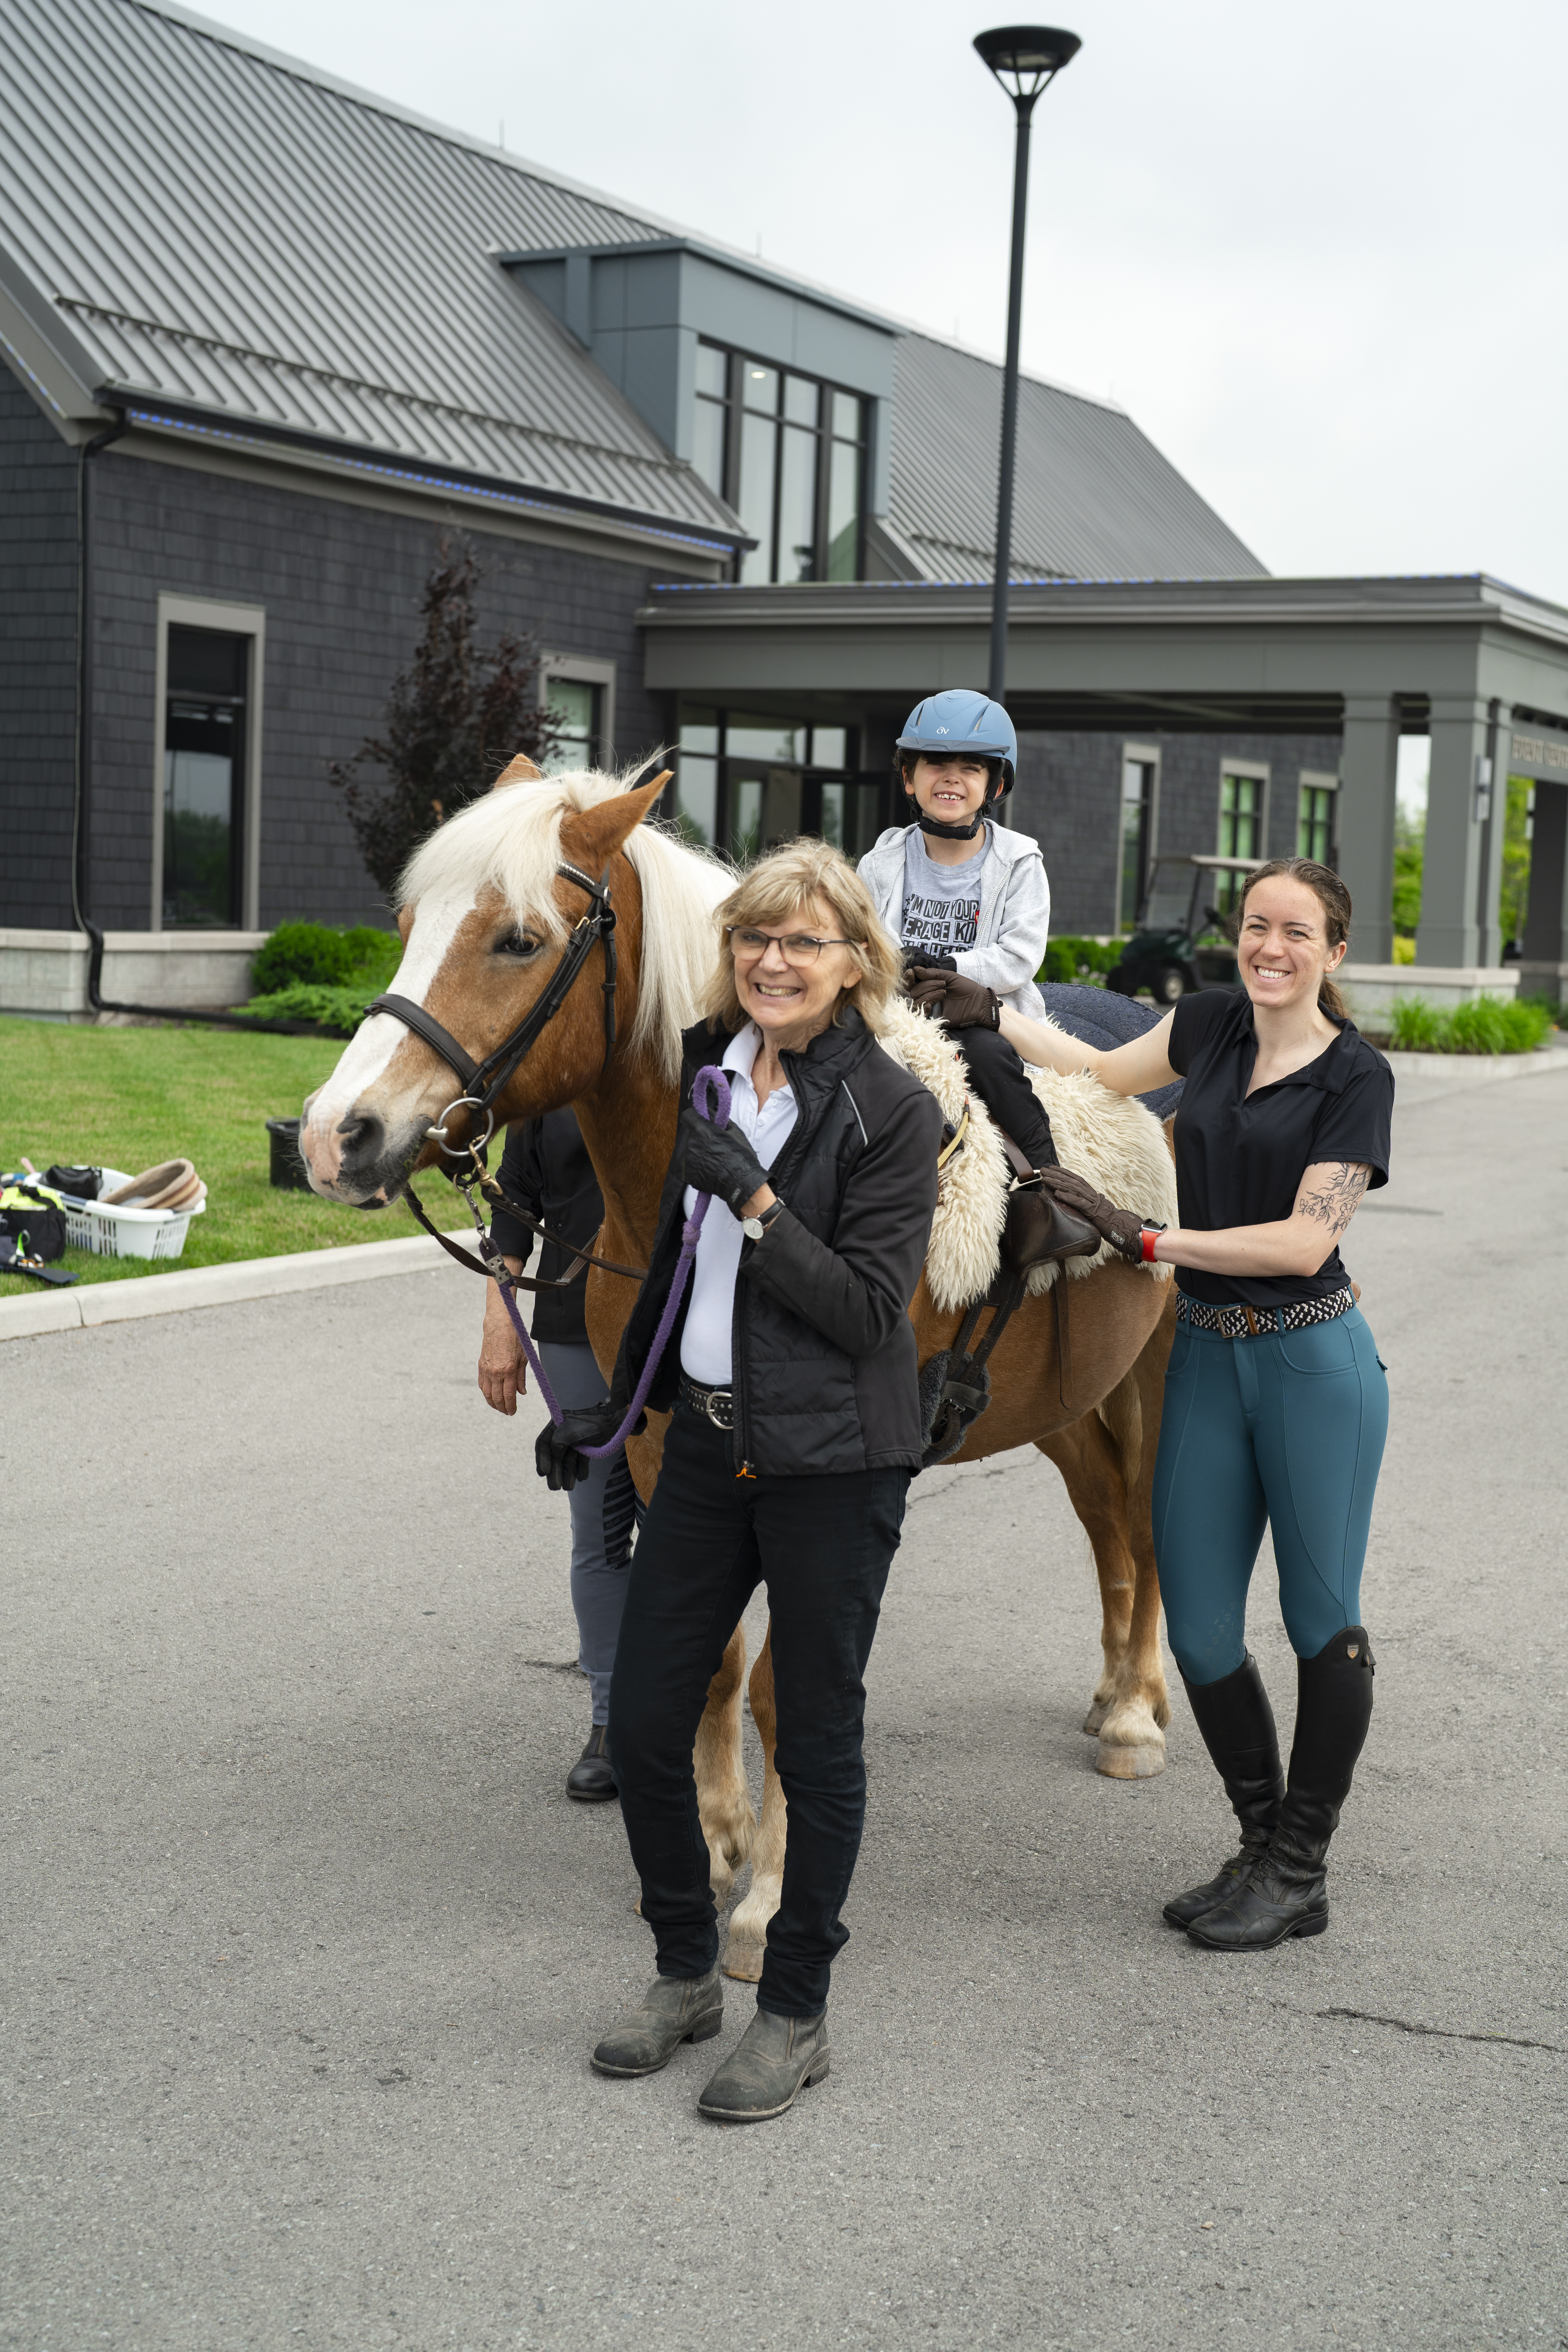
796	946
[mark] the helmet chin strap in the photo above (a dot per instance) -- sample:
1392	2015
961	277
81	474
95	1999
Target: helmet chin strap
944	829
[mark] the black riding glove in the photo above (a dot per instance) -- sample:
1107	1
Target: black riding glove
719	1161
926	959
556	1455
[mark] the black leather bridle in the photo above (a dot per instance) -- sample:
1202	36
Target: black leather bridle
483	1081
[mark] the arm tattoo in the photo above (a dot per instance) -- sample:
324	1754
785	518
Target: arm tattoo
1335	1195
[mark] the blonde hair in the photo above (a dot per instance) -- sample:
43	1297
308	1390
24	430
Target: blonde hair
777	886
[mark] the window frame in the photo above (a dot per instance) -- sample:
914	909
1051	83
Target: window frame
1315	779
585	669
182	612
1257	771
1146	755
733	405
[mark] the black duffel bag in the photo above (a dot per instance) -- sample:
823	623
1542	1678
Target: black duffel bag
32	1217
81	1184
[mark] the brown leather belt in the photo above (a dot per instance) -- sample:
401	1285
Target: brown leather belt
1263	1322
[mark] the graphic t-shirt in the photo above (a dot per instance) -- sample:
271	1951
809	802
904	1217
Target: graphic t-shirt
941	903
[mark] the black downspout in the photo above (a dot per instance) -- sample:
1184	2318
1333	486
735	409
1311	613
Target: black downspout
99	1003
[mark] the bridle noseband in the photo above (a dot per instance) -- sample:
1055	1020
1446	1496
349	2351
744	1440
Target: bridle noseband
484	1081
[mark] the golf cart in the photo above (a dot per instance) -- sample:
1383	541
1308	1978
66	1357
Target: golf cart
1183	942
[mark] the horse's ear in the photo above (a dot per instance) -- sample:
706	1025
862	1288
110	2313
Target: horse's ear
521	772
591	836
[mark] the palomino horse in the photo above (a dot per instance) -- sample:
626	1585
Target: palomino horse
486	918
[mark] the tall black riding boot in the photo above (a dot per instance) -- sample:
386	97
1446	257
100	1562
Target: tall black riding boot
1286	1893
1238	1726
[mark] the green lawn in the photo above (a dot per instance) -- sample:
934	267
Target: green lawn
130	1098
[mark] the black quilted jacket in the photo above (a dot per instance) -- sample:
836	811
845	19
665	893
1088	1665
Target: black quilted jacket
825	1377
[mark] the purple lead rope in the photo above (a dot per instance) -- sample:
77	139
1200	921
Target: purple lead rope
709	1080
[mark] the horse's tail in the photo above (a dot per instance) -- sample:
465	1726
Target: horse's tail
1123	1413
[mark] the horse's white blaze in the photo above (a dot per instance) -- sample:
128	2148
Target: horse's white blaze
368	1053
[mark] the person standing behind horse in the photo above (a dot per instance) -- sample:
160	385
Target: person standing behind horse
970	900
547	1170
792	1375
1275	1403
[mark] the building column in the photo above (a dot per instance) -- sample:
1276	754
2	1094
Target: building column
1451	870
1493	833
1368	773
1544	964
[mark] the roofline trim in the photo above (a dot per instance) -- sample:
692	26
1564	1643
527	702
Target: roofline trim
741	264
1430	598
173	417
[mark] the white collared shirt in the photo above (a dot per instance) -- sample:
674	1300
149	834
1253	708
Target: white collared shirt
705	1353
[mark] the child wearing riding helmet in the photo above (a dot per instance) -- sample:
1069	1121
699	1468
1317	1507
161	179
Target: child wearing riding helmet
970	901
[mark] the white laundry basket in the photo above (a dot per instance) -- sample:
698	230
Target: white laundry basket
127	1232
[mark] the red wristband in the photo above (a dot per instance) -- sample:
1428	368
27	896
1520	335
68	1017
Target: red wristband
1150	1238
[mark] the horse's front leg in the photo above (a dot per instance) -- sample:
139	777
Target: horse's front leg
1098	1466
723	1798
749	1925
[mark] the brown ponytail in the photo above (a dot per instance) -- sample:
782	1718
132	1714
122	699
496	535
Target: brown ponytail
1335	901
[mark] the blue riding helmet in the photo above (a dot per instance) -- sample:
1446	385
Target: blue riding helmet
963	724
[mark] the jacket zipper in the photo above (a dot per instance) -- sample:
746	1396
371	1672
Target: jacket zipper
793	1151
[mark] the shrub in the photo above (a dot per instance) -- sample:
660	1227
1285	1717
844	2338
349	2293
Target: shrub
1084	960
336	1011
1404	947
314	955
1487	1026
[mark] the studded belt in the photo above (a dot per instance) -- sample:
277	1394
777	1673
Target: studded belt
717	1405
1262	1322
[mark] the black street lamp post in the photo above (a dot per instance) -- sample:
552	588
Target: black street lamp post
1024	58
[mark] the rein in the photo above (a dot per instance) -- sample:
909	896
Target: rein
708	1081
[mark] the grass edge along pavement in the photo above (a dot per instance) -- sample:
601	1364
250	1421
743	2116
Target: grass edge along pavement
129	1098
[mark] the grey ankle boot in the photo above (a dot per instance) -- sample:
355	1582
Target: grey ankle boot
673	2009
774	2058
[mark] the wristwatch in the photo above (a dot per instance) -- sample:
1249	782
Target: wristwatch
755	1227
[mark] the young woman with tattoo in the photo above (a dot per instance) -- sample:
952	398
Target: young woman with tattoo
1276	1400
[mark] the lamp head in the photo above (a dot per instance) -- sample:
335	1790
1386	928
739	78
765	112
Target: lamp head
1025	58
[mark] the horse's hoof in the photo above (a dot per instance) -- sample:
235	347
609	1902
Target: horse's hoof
1099	1709
742	1961
1119	1760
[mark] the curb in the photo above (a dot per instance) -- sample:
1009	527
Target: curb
214	1285
1463	1071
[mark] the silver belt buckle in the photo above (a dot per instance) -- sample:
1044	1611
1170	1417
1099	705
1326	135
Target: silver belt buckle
720	1408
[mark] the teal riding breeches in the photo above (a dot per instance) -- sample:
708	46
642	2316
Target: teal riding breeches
1286	1430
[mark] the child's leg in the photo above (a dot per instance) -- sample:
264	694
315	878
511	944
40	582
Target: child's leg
997	1077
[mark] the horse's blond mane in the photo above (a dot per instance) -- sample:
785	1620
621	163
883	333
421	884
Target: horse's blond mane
510	840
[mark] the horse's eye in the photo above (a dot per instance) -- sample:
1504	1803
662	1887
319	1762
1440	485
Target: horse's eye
518	943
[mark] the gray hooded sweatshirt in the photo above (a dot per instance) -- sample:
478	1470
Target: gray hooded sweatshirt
1015	910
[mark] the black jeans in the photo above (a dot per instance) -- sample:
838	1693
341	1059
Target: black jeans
997	1072
823	1546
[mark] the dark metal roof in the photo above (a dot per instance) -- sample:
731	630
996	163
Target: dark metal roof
1095	499
205	229
220	230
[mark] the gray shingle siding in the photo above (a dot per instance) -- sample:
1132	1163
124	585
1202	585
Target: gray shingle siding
339	584
1069	796
38	663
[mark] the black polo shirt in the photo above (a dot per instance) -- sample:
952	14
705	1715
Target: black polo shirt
1240	1159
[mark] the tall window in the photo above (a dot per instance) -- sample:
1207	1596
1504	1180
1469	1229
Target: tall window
205	732
575	708
788	453
746	781
1240	829
1137	831
1315	823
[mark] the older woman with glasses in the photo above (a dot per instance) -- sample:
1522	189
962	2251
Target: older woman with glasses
797	1428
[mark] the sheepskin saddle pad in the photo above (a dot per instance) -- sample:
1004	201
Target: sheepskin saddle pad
1109	1137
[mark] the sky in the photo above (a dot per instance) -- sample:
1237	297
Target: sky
1318	253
